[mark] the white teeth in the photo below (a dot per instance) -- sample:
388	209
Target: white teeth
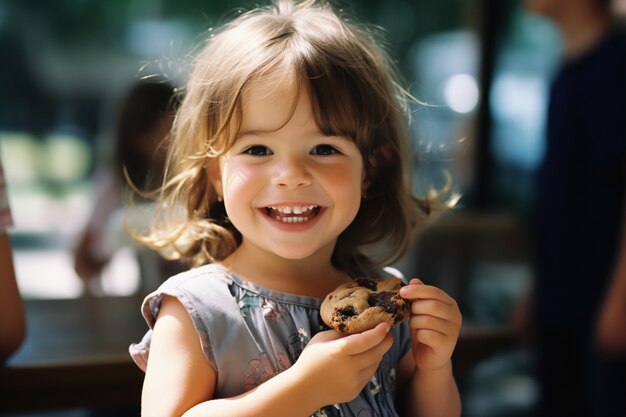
292	219
292	209
292	214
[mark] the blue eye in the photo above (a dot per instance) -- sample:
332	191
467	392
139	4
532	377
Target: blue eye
324	150
257	150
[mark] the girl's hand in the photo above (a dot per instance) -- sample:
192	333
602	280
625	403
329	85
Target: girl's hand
336	367
435	323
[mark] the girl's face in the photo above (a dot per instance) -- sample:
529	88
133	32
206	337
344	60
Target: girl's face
287	188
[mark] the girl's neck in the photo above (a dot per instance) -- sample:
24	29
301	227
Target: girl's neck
313	276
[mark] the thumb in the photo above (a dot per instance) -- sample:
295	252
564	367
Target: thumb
362	342
325	336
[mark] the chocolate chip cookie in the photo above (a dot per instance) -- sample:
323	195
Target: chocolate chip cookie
364	303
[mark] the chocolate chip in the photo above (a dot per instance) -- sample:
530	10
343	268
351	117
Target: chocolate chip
367	283
346	312
383	300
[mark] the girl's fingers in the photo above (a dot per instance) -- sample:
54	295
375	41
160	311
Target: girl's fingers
416	281
425	322
362	342
326	335
436	308
374	355
370	370
431	338
420	291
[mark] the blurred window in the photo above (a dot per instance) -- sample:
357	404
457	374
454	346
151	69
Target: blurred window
524	65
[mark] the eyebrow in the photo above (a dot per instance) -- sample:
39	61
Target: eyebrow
261	132
254	132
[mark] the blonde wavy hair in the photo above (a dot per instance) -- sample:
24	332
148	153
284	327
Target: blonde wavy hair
355	92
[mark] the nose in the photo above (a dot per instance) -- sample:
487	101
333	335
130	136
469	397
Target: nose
291	172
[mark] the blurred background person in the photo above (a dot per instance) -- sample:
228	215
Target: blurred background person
144	119
12	320
579	211
611	331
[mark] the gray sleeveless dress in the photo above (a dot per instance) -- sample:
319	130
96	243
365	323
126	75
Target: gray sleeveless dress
250	334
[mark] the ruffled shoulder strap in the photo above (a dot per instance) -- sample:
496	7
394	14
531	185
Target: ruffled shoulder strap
204	292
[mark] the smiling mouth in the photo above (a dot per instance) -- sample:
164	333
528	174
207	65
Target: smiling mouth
292	214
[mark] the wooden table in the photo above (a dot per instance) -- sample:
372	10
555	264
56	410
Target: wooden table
76	355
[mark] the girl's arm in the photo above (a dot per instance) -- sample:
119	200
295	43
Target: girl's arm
425	373
179	380
427	393
12	319
177	376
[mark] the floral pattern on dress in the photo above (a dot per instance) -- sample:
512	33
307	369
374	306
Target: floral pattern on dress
329	411
247	301
373	385
261	370
297	342
271	310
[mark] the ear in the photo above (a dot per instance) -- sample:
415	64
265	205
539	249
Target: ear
215	175
377	160
365	184
370	170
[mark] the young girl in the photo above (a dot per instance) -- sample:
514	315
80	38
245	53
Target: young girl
288	175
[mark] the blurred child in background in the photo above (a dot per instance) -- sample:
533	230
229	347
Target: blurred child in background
140	133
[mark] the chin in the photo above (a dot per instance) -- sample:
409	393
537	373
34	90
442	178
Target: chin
294	255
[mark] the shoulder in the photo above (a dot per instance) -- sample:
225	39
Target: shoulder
206	275
194	289
201	295
182	369
203	280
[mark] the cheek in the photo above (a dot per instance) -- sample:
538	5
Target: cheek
237	180
235	183
240	186
240	189
347	186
